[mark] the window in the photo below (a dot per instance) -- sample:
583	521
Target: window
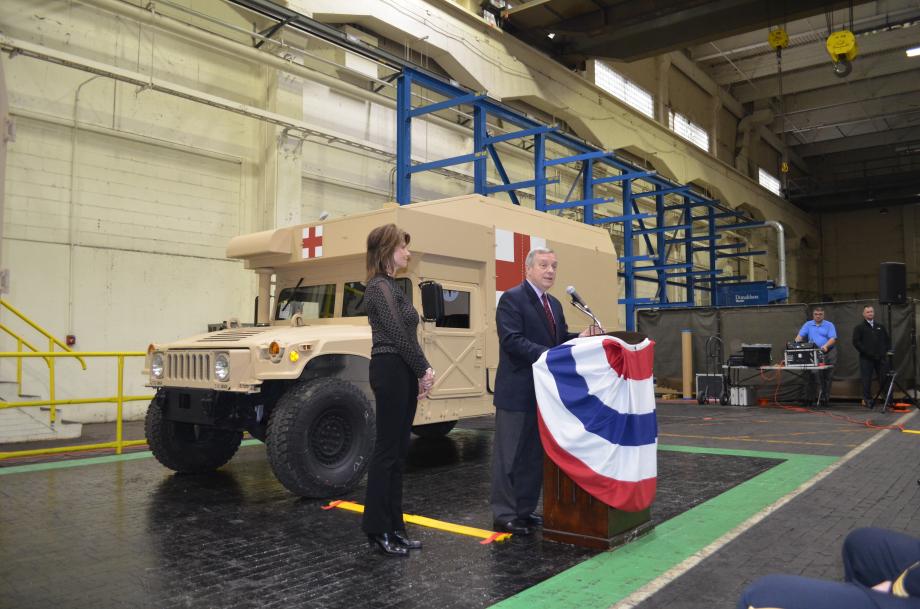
769	182
353	298
456	310
631	93
682	126
311	301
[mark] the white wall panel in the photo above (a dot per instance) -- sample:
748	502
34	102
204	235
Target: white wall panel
123	300
151	225
128	195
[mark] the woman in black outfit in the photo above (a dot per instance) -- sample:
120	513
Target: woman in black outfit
400	376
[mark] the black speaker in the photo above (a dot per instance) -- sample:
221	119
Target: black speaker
892	283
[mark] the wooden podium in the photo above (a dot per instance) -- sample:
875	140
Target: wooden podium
571	515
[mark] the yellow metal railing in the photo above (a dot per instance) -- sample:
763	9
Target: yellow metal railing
119	399
20	342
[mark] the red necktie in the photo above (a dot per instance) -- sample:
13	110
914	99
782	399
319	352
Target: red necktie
549	316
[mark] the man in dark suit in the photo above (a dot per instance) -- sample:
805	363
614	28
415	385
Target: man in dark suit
873	343
529	322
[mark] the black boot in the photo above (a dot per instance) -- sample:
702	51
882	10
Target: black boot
403	539
386	543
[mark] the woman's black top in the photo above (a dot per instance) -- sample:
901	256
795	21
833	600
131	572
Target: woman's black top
388	337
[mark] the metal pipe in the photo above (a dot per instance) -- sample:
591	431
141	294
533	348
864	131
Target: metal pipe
781	249
71	208
6	135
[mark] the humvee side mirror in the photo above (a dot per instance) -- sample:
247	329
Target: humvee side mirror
432	300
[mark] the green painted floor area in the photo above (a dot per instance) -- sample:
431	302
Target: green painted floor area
40	467
607	578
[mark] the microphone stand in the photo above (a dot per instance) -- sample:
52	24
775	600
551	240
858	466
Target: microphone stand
587	312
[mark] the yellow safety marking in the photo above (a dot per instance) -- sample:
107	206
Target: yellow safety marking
484	534
916	431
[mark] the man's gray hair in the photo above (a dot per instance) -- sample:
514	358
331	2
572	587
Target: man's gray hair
528	262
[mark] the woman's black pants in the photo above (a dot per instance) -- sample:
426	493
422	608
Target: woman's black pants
396	390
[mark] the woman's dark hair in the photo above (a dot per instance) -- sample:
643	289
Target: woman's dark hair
381	243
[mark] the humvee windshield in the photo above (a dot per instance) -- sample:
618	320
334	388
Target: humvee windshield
311	301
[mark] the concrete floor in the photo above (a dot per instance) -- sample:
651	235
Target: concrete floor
124	531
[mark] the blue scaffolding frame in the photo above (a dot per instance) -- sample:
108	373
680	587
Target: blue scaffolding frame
718	218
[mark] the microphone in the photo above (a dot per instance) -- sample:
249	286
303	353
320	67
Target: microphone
580	305
575	297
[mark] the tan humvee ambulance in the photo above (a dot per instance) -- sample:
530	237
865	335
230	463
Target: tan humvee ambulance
298	379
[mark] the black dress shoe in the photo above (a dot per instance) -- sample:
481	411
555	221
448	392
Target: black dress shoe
533	520
513	525
386	543
403	540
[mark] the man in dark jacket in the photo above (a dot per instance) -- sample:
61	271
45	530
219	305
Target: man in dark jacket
873	343
530	321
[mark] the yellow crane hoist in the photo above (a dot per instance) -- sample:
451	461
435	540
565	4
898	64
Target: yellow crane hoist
842	48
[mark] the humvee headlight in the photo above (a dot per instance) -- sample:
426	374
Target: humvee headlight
275	351
222	367
156	365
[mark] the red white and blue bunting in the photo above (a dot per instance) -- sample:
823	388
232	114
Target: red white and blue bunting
596	411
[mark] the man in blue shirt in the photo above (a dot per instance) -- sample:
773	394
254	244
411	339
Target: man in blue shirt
823	334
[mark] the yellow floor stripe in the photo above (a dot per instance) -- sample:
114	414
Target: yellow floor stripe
486	535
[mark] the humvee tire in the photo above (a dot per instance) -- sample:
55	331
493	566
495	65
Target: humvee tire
320	437
188	448
433	430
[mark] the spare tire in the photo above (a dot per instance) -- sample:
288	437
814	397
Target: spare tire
320	437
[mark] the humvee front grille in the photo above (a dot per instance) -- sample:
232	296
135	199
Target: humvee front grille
188	366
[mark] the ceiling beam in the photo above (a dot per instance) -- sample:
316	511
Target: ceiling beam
882	64
846	114
606	33
896	190
866	16
847	129
896	137
523	7
809	55
892	154
851	92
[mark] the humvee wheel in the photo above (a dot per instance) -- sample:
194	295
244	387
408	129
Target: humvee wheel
320	437
433	430
188	448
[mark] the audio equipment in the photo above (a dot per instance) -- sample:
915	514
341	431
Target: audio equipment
892	283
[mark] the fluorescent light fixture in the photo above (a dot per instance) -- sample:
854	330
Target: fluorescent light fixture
913	52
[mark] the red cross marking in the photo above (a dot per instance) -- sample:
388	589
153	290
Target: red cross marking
509	274
311	242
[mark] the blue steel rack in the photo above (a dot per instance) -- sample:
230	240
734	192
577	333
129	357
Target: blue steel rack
627	175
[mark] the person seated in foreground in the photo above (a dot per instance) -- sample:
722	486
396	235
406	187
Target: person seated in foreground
881	571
